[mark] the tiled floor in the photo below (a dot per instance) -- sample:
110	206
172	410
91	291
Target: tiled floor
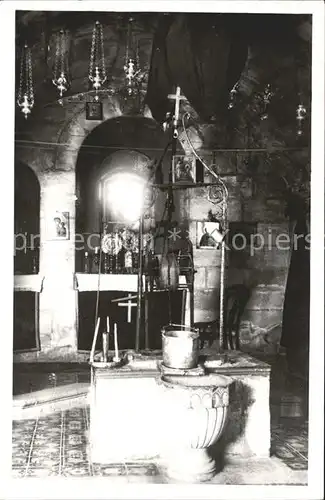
56	444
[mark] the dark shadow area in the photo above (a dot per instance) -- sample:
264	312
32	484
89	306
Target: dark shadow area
239	402
27	220
25	328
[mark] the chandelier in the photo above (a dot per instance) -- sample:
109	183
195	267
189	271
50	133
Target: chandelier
61	63
25	98
97	72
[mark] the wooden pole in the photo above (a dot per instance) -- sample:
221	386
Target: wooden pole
223	341
140	284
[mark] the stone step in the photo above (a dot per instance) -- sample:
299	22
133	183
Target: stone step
44	402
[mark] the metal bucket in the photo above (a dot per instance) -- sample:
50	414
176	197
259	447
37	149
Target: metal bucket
180	346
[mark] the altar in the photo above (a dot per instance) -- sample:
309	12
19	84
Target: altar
128	420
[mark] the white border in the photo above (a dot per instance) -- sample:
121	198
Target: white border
97	488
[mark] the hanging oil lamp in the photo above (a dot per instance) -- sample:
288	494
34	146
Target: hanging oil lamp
232	96
266	99
97	71
301	113
25	98
133	73
61	64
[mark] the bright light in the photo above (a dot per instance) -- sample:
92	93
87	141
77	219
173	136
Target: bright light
125	196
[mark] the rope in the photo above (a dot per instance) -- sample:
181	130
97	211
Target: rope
23	142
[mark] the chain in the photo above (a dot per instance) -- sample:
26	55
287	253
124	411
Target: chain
30	90
62	55
22	60
102	49
97	71
92	52
57	56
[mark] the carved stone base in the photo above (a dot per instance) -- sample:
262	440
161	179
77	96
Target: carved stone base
190	465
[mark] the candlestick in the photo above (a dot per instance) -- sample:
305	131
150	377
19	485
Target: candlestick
116	357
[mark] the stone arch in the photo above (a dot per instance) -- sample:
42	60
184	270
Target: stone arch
129	133
76	129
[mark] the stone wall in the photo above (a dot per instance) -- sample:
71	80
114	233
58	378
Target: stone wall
264	271
262	265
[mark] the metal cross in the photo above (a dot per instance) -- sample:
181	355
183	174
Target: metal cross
129	304
178	98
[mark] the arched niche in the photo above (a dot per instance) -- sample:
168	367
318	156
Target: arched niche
121	144
26	220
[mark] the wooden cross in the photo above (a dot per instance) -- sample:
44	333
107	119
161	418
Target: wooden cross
129	304
178	98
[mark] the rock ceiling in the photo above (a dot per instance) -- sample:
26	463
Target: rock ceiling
279	53
276	43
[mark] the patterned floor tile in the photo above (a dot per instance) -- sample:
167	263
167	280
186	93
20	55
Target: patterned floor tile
44	461
75	456
23	429
142	469
19	460
42	471
23	424
297	464
20	450
80	470
75	425
74	413
109	470
62	436
283	453
18	473
75	440
45	449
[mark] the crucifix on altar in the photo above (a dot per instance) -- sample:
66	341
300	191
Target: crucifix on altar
127	302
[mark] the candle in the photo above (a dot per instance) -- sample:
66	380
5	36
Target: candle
116	358
105	346
92	352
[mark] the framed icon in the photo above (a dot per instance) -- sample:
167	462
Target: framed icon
94	110
60	226
183	169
